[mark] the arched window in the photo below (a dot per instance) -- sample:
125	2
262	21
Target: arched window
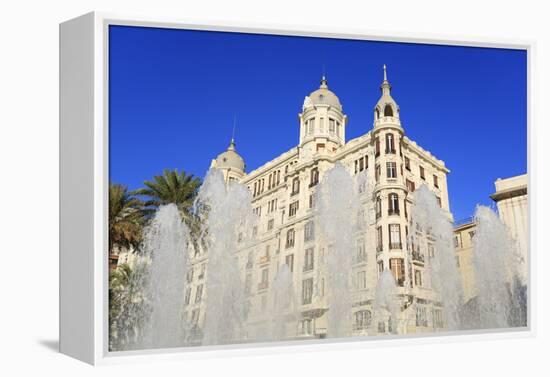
377	111
388	111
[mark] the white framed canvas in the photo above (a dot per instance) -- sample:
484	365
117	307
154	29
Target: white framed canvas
255	188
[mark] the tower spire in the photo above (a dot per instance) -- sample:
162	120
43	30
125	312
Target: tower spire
232	142
385	87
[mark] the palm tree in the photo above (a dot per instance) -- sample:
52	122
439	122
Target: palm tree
126	218
172	187
175	187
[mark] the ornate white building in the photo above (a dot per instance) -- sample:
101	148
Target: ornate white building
283	197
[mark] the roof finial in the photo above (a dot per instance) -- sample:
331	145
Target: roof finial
324	81
385	74
232	143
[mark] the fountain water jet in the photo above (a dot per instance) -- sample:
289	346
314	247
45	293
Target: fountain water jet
386	305
501	300
283	305
155	316
338	208
431	225
226	218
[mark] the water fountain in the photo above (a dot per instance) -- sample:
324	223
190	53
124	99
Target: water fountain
386	305
430	225
283	306
337	215
154	318
501	300
227	220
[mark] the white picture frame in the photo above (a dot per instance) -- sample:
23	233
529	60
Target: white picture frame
84	189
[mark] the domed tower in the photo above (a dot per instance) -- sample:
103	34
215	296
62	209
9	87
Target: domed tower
230	163
390	191
322	122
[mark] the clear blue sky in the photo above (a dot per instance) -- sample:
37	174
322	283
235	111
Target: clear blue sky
173	95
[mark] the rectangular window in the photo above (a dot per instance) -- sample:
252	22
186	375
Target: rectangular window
361	251
195	316
295	186
407	164
198	294
395	236
361	165
456	241
379	240
308	260
378	207
293	208
289	261
380	267
418	278
436	182
290	238
361	280
438	318
270	224
393	204
390	144
314	179
309	231
331	126
397	268
421	318
422	173
438	201
264	280
312	201
377	147
307	291
187	296
311	126
391	170
410	186
377	173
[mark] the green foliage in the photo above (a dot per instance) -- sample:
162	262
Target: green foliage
126	218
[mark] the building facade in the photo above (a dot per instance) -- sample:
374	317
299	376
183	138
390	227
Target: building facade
511	200
283	197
